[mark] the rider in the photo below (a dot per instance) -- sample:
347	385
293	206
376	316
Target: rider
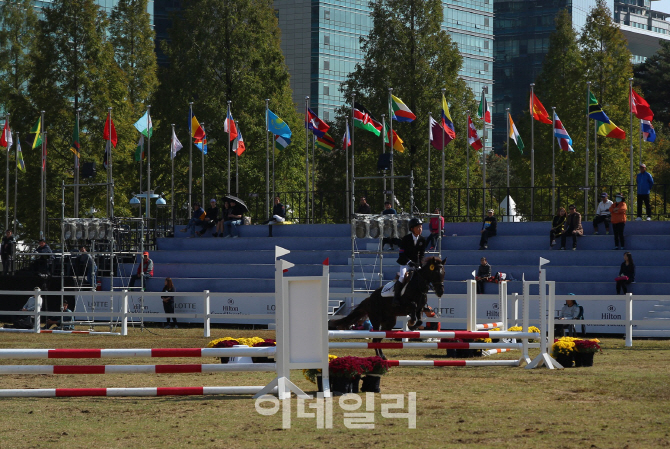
412	249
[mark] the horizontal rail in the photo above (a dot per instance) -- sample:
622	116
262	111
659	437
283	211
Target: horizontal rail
135	369
454	362
121	353
159	391
431	334
349	345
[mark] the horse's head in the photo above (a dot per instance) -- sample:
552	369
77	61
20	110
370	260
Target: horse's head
432	270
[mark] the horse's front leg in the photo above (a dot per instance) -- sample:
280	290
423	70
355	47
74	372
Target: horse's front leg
415	317
378	351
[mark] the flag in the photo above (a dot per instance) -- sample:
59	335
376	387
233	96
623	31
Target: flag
139	151
346	138
473	139
397	141
326	143
364	120
74	146
6	139
648	133
447	122
312	122
37	130
106	134
437	134
401	112
194	128
278	127
514	133
238	145
610	130
19	156
640	107
201	144
484	112
229	127
108	150
564	140
176	144
144	125
282	142
538	111
596	111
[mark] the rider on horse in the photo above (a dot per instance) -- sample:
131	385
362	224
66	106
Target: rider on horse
412	249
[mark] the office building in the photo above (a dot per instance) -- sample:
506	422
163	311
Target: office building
642	26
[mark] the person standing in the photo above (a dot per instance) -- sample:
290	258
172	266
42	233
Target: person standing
145	270
489	229
436	228
557	225
7	252
412	250
168	302
43	263
573	227
364	207
618	211
626	273
644	184
602	214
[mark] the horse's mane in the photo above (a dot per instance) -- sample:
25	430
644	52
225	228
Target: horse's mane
431	259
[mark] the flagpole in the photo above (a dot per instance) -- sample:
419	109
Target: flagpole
190	156
313	172
353	156
384	152
76	171
595	163
532	152
110	173
172	178
274	150
267	157
237	162
508	129
467	169
148	198
443	158
553	160
640	143
42	180
430	116
391	143
586	169
16	179
202	166
632	154
306	162
346	163
484	157
7	178
229	131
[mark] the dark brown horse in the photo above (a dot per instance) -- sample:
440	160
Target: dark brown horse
381	310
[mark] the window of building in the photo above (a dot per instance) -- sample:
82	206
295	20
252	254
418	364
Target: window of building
486	21
326	65
326	115
326	14
486	45
326	40
326	90
486	66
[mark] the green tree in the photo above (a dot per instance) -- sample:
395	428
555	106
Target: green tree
653	78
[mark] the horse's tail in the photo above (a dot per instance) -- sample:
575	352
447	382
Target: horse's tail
346	322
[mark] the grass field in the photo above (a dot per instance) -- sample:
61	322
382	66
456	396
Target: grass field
621	402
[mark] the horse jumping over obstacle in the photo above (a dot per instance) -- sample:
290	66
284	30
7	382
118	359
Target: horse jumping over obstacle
383	312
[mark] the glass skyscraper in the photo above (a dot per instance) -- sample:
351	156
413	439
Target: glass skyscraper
642	26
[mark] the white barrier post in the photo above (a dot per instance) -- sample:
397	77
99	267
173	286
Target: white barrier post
629	319
38	309
502	304
515	306
207	319
471	324
544	358
124	313
525	322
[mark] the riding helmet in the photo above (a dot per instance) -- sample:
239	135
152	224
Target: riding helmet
415	222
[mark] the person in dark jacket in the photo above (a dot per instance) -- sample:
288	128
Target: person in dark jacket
224	217
644	184
234	220
43	262
211	217
168	302
557	225
278	215
7	252
389	210
626	274
573	227
489	229
483	276
364	207
412	250
197	218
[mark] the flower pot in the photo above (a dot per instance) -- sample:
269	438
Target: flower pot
565	360
263	359
340	384
355	383
577	357
371	383
587	358
225	359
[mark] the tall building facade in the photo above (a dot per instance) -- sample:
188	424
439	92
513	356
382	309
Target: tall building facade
106	5
522	29
643	27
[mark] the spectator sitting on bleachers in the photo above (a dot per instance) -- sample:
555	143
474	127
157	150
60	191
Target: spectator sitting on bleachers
23	321
211	217
573	227
224	217
483	275
58	320
145	270
278	215
557	226
570	311
602	214
234	220
197	218
626	273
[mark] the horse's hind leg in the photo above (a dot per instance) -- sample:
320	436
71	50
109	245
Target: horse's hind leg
378	351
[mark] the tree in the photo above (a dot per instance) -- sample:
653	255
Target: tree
653	78
407	50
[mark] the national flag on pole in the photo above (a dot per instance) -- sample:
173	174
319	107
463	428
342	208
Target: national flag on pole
437	134
201	144
596	111
109	123
139	150
194	128
74	146
37	130
397	141
19	156
144	125
346	138
537	110
238	144
484	112
648	133
229	127
325	143
447	122
6	139
473	138
278	127
108	150
282	142
364	120
401	113
312	122
562	136
610	130
640	107
514	133
175	144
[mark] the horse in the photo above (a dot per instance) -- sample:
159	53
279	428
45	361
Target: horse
382	312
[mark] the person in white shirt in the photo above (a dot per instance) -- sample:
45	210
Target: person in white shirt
603	214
